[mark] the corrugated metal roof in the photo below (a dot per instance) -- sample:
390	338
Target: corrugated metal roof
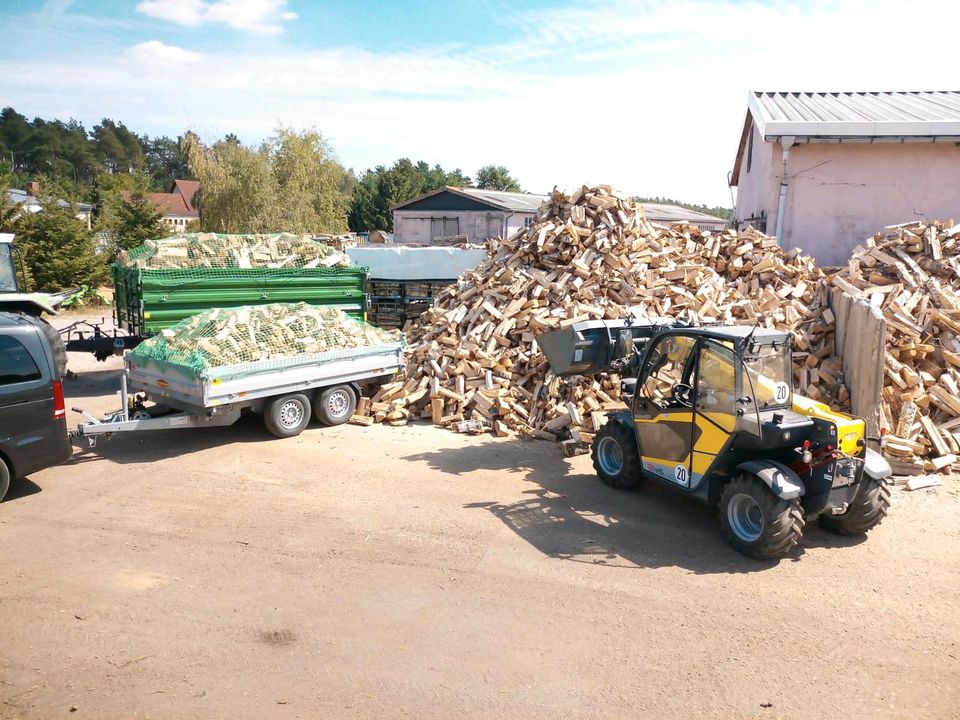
516	201
856	114
664	213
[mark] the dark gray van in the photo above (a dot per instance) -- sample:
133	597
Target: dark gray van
33	424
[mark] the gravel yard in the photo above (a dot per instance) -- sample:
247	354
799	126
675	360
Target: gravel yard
412	572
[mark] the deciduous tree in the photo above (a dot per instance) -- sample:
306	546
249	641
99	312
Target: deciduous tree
497	177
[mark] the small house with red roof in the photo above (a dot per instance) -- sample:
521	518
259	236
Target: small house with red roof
178	205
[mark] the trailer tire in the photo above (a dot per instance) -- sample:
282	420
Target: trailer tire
287	415
56	345
334	405
868	509
615	457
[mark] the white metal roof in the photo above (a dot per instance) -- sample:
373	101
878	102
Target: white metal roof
664	213
856	114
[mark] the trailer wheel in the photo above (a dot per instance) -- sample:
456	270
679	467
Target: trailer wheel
335	405
757	522
287	415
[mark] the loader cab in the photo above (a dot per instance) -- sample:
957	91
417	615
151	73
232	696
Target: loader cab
8	264
700	393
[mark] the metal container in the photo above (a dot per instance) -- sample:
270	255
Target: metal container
590	347
149	300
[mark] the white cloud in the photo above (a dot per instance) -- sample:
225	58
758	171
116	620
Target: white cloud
155	53
258	16
649	97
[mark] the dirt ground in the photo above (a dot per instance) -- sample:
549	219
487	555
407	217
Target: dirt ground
412	572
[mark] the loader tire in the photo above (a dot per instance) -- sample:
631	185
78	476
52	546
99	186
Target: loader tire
615	457
56	344
758	523
334	405
287	415
868	509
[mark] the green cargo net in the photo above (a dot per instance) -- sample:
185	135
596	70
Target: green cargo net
215	251
226	343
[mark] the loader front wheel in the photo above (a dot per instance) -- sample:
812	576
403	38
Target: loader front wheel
869	507
758	523
287	415
615	457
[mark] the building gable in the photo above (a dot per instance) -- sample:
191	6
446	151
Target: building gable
447	201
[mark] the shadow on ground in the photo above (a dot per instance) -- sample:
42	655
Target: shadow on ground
574	517
21	488
151	445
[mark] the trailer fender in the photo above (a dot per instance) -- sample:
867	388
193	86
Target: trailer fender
782	481
876	466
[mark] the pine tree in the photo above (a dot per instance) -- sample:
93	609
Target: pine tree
58	249
139	220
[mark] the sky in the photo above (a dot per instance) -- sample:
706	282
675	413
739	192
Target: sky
646	95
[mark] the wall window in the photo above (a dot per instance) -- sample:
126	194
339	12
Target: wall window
444	227
528	221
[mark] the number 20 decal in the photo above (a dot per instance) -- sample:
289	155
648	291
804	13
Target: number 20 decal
781	392
682	475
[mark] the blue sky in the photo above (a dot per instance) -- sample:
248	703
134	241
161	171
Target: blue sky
647	95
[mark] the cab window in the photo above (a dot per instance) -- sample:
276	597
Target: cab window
668	366
16	364
716	380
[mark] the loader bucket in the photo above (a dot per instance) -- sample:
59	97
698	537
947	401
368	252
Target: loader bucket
587	347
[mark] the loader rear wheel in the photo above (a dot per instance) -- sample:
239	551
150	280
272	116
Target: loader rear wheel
615	458
757	522
868	509
287	415
335	405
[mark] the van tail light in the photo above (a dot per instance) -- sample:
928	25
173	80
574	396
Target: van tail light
59	408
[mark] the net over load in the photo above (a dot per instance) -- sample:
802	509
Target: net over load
217	251
222	343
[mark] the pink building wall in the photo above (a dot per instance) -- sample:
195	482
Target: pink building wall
841	193
412	227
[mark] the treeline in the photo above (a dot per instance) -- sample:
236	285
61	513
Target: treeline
292	181
71	158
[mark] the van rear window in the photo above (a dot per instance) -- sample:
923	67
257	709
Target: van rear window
16	365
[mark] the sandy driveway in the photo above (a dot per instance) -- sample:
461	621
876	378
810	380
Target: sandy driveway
411	572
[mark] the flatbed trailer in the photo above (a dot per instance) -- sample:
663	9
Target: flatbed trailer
326	388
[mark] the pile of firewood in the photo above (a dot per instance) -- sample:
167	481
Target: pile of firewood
476	366
219	251
283	333
911	273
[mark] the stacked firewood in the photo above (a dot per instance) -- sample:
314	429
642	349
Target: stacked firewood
911	273
475	364
244	252
281	333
